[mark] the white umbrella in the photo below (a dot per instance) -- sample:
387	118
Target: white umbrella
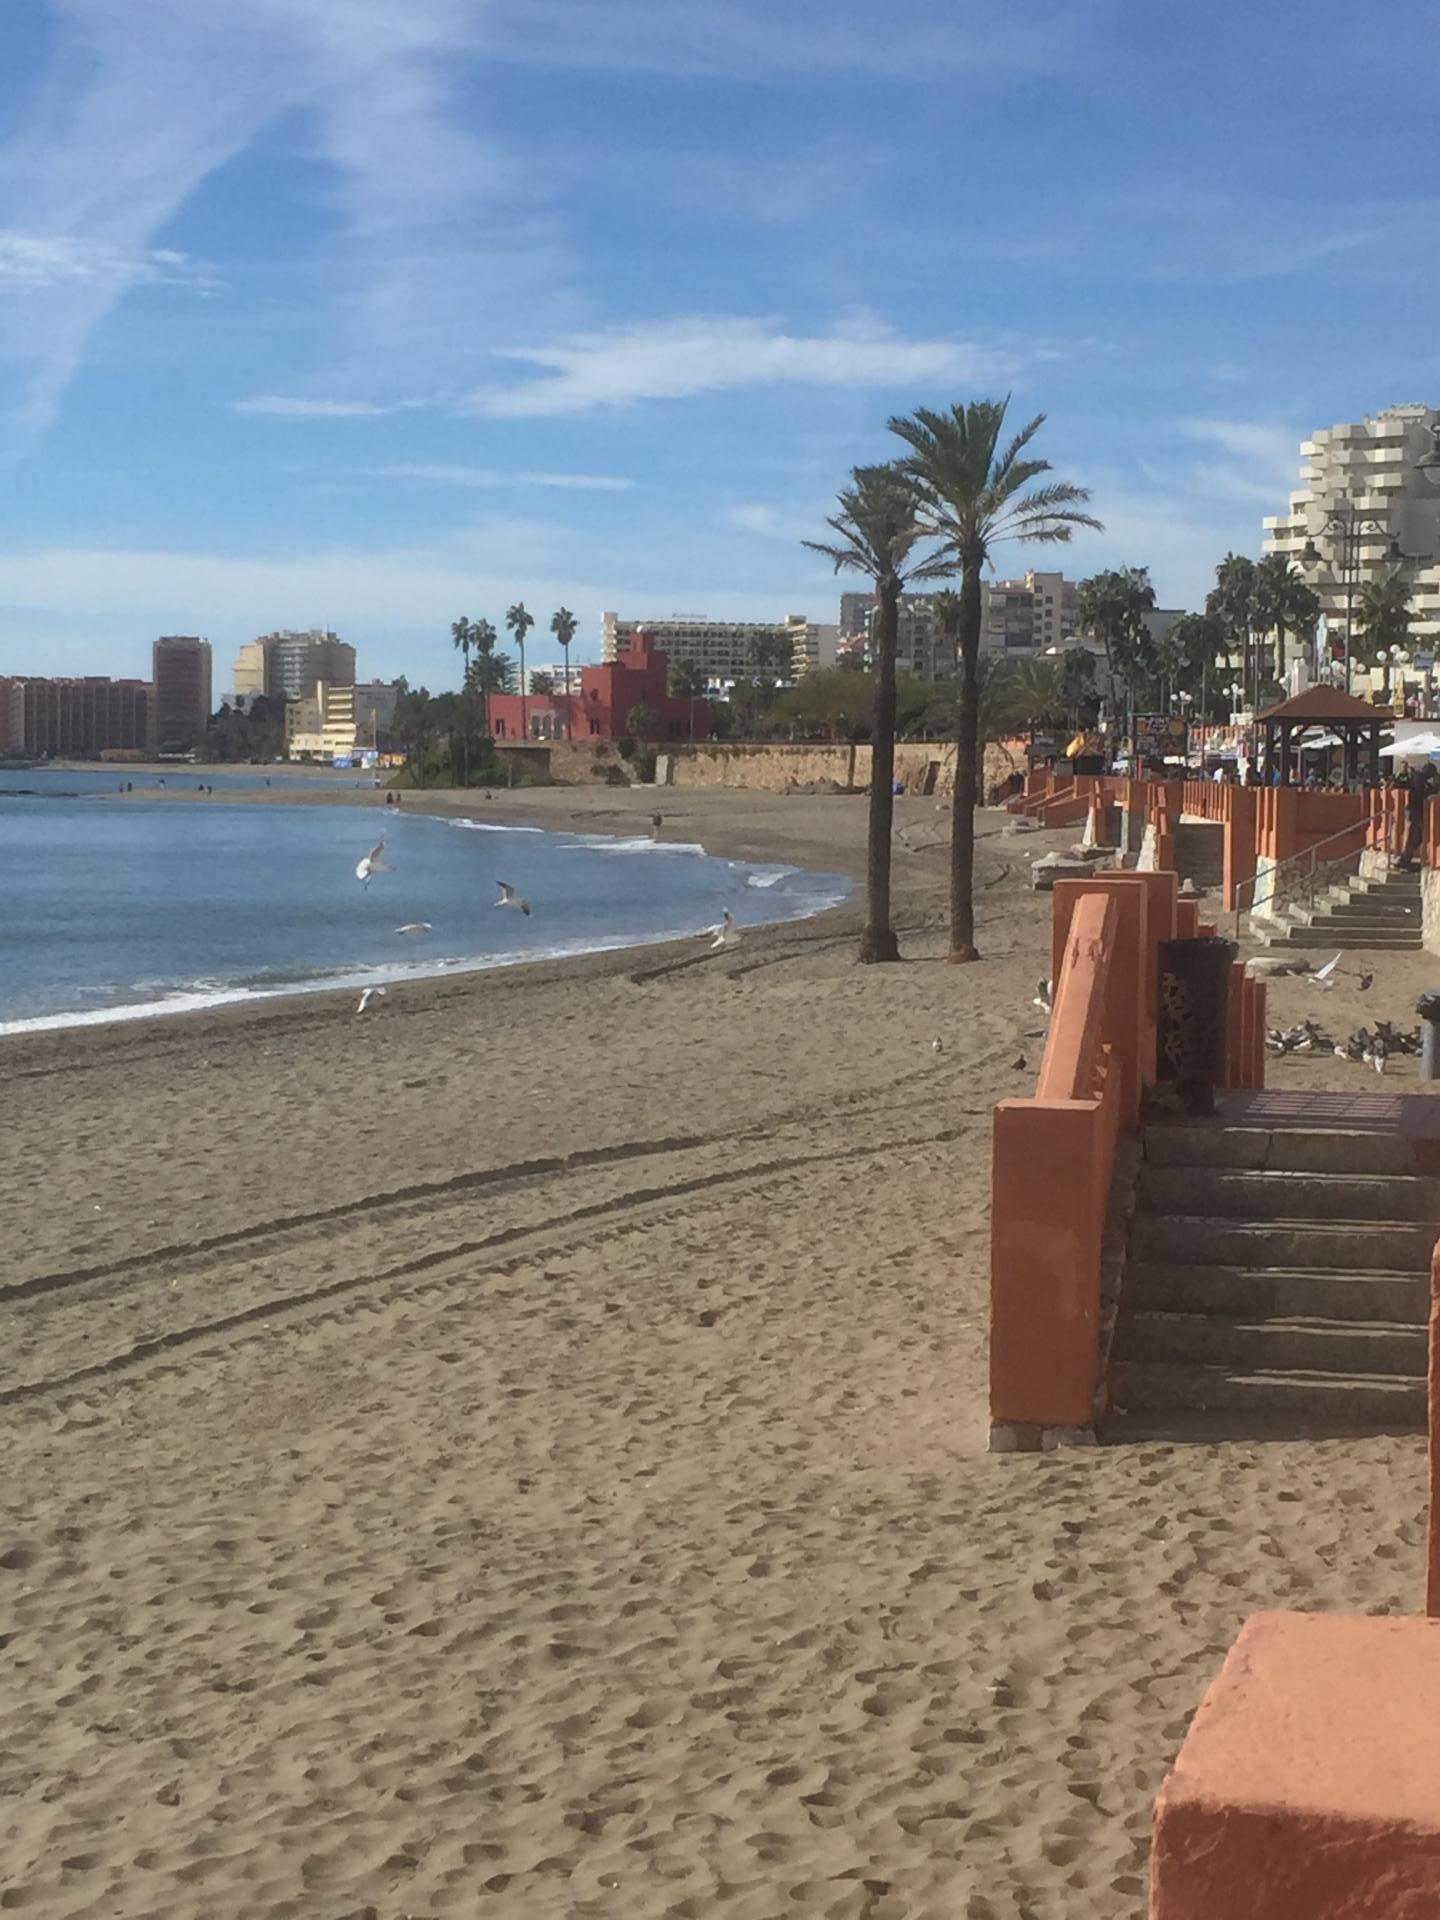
1416	746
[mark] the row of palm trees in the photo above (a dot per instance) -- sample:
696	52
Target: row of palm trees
491	672
932	514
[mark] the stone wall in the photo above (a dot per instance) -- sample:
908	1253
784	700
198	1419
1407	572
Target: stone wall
924	766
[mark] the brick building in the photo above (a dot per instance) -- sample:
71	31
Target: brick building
81	717
181	673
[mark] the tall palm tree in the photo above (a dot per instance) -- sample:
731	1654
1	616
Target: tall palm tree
463	634
687	682
1112	607
1283	603
519	623
483	637
973	495
1232	601
563	626
878	530
1382	613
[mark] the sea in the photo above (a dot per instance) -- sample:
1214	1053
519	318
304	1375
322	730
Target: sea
123	909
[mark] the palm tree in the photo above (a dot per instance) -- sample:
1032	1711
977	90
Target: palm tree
1382	613
483	638
687	682
972	495
563	626
414	726
878	531
519	623
1232	601
463	634
1283	603
1112	607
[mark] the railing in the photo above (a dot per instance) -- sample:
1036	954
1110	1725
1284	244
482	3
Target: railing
1310	872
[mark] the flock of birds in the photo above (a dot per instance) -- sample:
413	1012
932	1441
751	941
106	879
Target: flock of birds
724	934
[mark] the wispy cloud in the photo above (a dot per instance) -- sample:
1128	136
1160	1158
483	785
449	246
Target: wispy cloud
145	100
1261	463
285	407
450	476
670	359
30	261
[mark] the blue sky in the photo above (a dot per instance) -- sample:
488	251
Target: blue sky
377	312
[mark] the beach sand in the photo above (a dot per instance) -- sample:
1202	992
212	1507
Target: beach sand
521	1452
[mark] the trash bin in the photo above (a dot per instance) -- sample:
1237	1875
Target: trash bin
1428	1008
1191	1045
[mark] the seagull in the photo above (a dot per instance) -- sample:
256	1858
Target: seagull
1044	996
414	926
374	862
510	898
725	934
367	996
1322	976
1378	1054
937	1045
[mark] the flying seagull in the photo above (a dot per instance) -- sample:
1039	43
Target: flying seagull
414	926
725	934
367	996
510	898
1323	977
374	862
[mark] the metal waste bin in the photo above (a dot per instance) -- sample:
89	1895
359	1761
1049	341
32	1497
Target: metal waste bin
1192	1042
1428	1008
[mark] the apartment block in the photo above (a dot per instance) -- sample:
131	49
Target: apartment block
180	672
288	663
1366	472
723	650
922	646
80	717
1029	614
321	723
814	645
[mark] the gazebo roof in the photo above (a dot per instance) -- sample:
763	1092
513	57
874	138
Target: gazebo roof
1327	704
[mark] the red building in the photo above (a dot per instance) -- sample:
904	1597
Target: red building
609	694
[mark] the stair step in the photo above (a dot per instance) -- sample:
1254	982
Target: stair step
1232	1193
1272	1346
1358	1401
1358	1246
1288	1293
1370	941
1286	1150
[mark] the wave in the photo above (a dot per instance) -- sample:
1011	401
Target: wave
207	996
768	876
486	826
612	843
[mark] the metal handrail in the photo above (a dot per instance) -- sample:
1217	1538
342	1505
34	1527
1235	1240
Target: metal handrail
1306	853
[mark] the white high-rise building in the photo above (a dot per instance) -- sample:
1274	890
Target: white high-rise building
723	650
1365	474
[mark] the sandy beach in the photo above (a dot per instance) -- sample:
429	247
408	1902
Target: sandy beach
522	1452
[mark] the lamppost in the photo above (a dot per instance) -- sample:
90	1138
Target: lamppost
1393	659
1348	528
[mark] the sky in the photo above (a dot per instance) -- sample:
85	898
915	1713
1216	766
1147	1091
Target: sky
374	314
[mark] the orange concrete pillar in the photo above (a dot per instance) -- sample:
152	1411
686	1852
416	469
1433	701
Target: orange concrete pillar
1240	844
1187	919
1432	1567
1045	1264
1255	1000
1308	1785
1132	985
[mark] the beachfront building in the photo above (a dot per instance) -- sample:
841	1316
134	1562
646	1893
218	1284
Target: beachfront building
602	701
1028	615
375	703
83	716
321	724
289	663
921	647
1364	507
180	674
814	645
723	650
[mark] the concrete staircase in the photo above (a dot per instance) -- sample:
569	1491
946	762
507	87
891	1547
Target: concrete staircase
1357	916
1278	1278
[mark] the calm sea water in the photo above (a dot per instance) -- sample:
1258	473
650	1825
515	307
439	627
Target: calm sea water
118	910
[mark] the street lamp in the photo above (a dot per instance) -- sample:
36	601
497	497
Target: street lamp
1348	527
1428	465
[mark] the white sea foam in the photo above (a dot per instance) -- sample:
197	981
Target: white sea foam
490	826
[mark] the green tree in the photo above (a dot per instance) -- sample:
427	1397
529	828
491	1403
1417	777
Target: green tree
1112	607
1231	601
519	622
563	625
542	683
1382	611
687	682
415	728
1283	603
878	530
642	722
463	635
483	638
974	494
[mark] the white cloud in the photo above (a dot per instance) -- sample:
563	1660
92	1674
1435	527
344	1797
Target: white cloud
753	519
449	476
36	260
670	359
286	408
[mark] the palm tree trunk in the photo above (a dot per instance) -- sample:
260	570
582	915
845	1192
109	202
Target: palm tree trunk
878	941
524	690
568	734
967	757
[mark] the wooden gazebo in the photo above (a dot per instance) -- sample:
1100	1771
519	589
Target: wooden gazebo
1354	722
